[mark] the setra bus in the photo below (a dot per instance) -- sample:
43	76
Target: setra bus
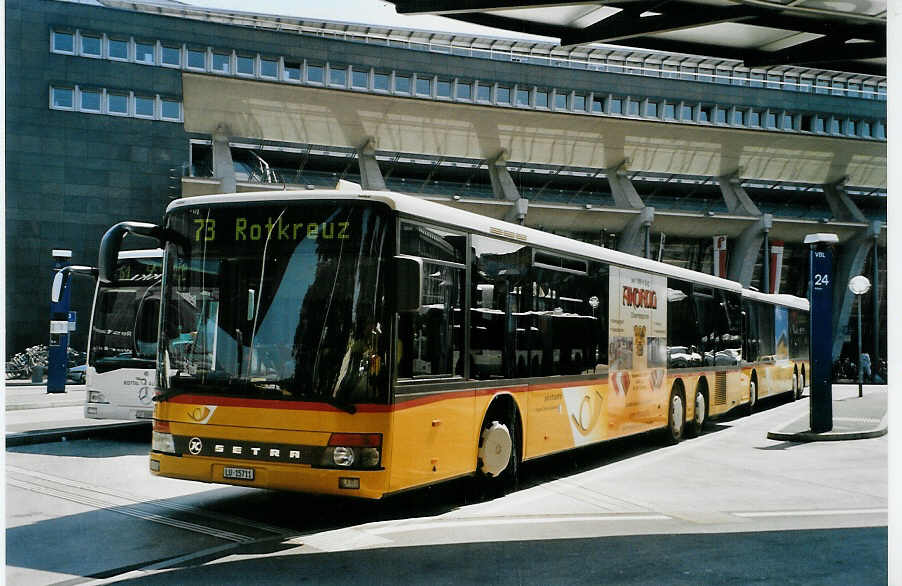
122	345
366	343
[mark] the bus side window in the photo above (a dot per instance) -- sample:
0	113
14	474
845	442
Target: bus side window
683	344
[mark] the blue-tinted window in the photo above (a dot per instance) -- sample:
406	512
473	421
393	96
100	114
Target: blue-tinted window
786	124
338	76
292	71
117	103
464	90
669	112
63	42
144	53
483	92
771	120
144	106
560	100
615	106
686	113
197	58
443	88
522	97
579	102
172	56
503	95
222	62
269	67
360	78
245	65
90	100
90	45
402	84
632	107
541	98
314	73
739	118
117	48
171	109
63	97
380	81
424	86
651	109
597	105
720	115
754	118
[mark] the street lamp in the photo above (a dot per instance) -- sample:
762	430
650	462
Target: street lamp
859	285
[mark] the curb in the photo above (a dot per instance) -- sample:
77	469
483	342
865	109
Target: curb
26	438
44	405
830	436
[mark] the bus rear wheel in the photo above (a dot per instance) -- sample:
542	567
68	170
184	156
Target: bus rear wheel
753	396
700	415
796	386
676	416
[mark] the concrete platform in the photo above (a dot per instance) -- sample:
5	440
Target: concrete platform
854	417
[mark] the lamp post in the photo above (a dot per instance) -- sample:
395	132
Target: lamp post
859	285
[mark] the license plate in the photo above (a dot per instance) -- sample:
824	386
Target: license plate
144	415
238	473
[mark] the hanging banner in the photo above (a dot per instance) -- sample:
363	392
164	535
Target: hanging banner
720	256
776	265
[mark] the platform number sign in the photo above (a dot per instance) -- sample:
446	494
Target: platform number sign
821	297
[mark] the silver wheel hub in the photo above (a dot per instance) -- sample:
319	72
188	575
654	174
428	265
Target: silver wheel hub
676	413
495	449
699	408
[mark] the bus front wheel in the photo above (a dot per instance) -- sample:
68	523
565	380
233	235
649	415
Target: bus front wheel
498	462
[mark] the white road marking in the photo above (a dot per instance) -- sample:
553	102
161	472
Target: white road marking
453	523
813	513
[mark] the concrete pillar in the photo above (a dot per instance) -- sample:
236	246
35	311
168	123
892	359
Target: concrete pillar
633	239
370	174
625	195
223	169
850	260
841	206
745	252
505	189
737	200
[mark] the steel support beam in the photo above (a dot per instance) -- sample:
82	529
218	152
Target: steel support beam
223	168
625	195
634	237
850	261
742	259
505	189
737	200
841	205
370	174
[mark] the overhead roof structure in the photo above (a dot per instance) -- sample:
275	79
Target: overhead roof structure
844	36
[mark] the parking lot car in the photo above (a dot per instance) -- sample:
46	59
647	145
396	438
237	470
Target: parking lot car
76	374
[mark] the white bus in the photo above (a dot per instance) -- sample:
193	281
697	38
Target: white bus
122	344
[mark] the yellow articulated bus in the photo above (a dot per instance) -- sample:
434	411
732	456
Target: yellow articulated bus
366	343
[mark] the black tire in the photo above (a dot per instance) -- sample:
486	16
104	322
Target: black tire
676	415
796	386
700	414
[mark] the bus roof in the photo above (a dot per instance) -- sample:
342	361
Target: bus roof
441	214
777	299
143	253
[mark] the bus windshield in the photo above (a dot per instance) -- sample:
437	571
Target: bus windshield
124	326
278	301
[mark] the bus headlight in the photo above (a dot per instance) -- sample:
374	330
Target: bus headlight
353	450
161	439
343	456
96	397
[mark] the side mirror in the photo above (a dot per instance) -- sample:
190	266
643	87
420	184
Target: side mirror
57	288
409	273
61	276
111	243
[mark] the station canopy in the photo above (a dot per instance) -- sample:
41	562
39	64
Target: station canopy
848	36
